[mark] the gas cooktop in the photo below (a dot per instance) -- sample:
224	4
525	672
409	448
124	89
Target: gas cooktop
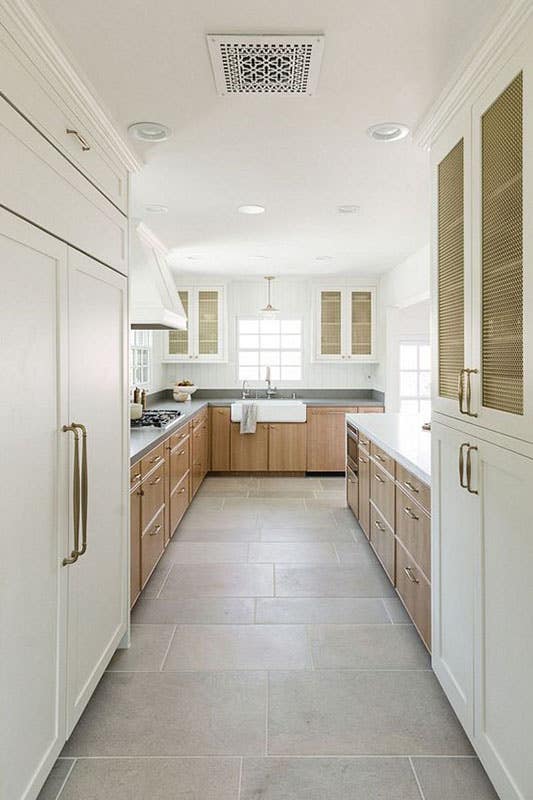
157	419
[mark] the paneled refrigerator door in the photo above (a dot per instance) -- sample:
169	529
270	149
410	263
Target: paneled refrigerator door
454	536
451	265
98	580
502	388
34	504
503	618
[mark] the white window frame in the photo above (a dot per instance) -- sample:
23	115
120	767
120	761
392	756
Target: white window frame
261	380
345	356
192	327
418	343
138	348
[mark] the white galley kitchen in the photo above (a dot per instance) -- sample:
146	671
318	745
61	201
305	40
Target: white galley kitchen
266	400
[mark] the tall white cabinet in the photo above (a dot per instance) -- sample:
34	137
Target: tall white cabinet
64	424
482	431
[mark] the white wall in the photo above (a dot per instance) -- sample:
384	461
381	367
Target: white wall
405	285
294	298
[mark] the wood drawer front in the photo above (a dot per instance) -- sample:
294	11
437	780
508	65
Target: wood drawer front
364	443
413	527
371	410
199	418
65	203
153	497
384	460
135	545
135	474
179	436
414	487
179	502
153	459
326	438
352	491
152	545
382	541
382	491
415	593
179	460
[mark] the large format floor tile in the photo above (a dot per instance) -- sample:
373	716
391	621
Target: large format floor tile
292	552
149	645
179	552
56	779
153	779
211	580
367	647
453	779
328	779
234	647
218	520
333	610
194	610
217	535
173	714
366	579
329	534
361	713
276	518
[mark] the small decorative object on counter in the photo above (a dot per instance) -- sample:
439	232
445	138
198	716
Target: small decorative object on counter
182	390
136	410
143	399
136	395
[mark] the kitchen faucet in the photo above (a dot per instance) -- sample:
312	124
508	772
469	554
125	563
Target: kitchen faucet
245	394
270	392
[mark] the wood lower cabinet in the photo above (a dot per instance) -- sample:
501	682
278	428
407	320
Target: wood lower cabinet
152	544
135	540
364	492
179	502
199	452
413	529
382	492
382	541
287	447
326	437
249	451
414	591
220	438
352	491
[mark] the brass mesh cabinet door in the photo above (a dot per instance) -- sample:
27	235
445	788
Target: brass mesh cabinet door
361	332
208	338
178	341
502	253
450	227
330	323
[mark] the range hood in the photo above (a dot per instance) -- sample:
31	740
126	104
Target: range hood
154	301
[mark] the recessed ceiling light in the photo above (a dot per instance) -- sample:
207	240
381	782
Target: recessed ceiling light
388	131
348	209
260	258
155	208
192	258
251	209
324	258
149	131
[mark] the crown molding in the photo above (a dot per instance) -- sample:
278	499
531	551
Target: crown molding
31	34
473	69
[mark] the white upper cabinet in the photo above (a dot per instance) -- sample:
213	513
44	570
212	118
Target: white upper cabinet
345	323
482	236
205	336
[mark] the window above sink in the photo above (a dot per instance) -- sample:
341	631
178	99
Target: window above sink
274	343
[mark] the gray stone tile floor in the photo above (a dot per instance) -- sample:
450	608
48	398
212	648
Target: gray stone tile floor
270	658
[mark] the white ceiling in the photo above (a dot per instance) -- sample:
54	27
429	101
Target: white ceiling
300	157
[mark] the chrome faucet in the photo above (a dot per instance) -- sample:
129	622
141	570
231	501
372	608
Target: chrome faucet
245	394
270	392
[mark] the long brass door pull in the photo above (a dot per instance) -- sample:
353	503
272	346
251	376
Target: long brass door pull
80	491
462	464
469	469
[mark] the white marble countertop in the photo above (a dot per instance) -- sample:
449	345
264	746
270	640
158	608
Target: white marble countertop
402	436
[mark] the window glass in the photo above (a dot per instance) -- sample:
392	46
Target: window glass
270	343
415	378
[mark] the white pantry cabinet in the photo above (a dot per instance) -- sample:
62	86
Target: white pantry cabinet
345	323
205	336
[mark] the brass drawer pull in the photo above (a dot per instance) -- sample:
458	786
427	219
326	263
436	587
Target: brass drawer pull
362	442
379	526
84	143
410	513
181	453
155	460
380	458
135	477
409	572
182	490
153	483
379	478
363	460
469	372
469	469
411	487
155	530
462	464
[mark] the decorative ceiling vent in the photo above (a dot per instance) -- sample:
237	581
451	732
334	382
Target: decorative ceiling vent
266	64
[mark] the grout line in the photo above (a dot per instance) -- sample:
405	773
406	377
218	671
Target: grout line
164	581
336	552
387	612
267	711
416	778
240	779
310	645
67	776
274	580
255	611
273	755
167	651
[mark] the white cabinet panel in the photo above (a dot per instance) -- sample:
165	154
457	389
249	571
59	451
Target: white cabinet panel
97	595
345	323
34	505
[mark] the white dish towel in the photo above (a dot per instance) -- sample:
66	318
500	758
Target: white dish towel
249	418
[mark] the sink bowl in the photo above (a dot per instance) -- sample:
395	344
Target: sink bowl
272	410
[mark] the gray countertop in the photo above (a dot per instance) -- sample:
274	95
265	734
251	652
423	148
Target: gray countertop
143	439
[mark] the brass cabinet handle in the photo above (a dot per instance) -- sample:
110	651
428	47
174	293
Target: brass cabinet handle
155	530
84	143
462	464
410	513
84	487
362	441
135	477
379	526
181	453
153	483
380	458
182	490
155	460
460	390
363	460
469	469
469	372
379	478
409	572
411	487
74	555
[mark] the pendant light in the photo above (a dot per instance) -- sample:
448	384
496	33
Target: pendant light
269	312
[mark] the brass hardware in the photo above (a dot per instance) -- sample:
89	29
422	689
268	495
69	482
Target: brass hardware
460	390
411	487
469	372
155	460
409	572
135	477
469	469
379	478
362	441
363	460
74	555
379	526
140	492
157	480
84	487
155	530
182	490
380	458
410	513
181	453
84	143
462	464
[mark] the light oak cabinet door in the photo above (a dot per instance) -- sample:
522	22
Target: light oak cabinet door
326	438
135	543
352	491
249	451
364	493
382	541
287	447
220	439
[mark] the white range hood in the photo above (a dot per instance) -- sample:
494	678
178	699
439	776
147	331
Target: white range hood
154	301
